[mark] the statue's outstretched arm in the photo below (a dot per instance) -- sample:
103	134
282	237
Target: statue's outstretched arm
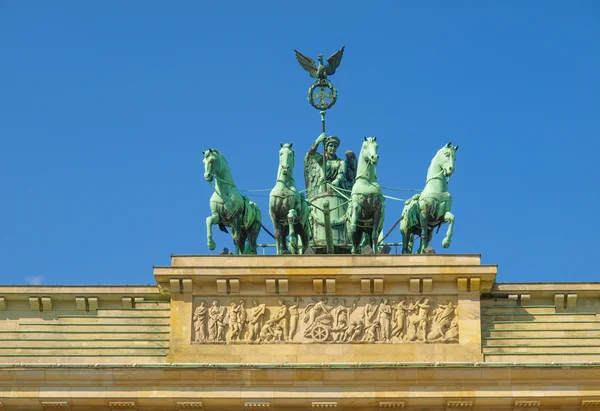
313	149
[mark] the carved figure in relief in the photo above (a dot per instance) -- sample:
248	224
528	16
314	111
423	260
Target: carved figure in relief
370	312
280	319
216	325
372	332
242	318
400	310
319	320
234	324
452	333
385	320
354	331
417	324
267	332
200	321
294	315
441	321
341	319
316	312
328	320
444	318
255	323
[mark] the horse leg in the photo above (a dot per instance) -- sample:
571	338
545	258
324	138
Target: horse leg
405	231
277	235
243	244
273	206
352	229
291	229
252	234
210	221
449	218
377	225
236	225
303	232
424	232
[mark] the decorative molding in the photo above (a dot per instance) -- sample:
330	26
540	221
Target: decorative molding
257	404
271	284
590	403
427	285
330	286
318	285
415	285
35	304
571	300
46	304
222	286
93	303
283	286
234	286
50	405
527	404
475	284
391	404
459	404
378	285
121	404
324	404
80	303
186	405
127	302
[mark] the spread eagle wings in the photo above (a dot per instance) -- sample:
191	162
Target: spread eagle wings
334	61
308	64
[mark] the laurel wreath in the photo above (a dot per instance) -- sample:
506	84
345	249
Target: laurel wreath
322	83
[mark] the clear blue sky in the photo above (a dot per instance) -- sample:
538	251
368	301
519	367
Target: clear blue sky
106	106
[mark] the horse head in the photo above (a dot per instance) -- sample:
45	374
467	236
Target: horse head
368	151
211	164
286	160
445	158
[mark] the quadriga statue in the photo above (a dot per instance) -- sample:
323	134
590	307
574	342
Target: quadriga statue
430	208
287	207
228	207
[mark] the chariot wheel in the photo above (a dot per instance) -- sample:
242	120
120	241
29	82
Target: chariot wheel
320	333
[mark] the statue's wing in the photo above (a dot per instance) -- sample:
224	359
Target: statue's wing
351	166
307	63
334	61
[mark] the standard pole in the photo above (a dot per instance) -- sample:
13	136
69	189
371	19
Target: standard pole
324	151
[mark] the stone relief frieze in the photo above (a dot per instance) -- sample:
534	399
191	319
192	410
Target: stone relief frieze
325	320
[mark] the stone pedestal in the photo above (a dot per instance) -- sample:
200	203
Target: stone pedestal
325	309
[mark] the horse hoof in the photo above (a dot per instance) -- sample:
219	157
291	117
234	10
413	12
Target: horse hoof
212	245
446	243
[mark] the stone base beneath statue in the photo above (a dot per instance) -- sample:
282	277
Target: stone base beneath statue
417	332
325	309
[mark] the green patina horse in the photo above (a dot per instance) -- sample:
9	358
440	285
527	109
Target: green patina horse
430	208
228	207
287	207
366	210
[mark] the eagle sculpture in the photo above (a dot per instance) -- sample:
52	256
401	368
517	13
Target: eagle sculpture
320	72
